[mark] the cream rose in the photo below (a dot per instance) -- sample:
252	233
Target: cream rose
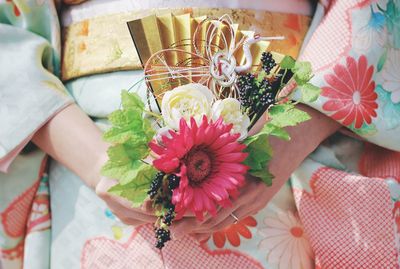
186	101
229	110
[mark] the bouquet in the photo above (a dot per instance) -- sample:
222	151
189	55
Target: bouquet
192	154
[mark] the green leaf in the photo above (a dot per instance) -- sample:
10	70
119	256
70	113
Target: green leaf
131	101
382	61
148	129
130	133
258	146
262	149
260	153
133	151
286	115
124	160
126	124
124	172
135	191
260	77
302	72
287	62
135	196
264	175
310	93
274	130
125	118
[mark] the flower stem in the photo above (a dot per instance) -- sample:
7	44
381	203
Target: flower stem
155	115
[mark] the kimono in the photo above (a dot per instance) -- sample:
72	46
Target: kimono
340	208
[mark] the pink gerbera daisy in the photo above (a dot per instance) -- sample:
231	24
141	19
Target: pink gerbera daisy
208	159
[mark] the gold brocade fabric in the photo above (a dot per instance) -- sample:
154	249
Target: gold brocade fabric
103	44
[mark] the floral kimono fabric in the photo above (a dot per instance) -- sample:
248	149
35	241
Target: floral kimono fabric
340	209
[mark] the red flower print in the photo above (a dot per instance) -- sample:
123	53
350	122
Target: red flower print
233	231
351	92
15	216
15	8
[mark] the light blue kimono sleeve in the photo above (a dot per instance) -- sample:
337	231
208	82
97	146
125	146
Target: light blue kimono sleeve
30	90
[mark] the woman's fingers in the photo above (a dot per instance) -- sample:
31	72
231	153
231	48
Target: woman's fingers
128	221
201	237
189	223
121	207
183	227
240	214
123	212
247	203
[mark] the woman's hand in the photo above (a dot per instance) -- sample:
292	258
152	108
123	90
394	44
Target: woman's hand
72	139
122	208
288	155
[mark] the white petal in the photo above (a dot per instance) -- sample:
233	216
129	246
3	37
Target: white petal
217	109
273	242
270	232
395	96
285	262
362	40
296	255
391	69
271	222
306	260
284	218
276	253
203	89
391	85
293	220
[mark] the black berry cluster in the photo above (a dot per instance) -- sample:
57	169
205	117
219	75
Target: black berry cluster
155	185
161	193
266	95
246	85
170	215
163	235
267	62
173	181
255	96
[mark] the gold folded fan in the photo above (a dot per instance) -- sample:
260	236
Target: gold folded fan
177	49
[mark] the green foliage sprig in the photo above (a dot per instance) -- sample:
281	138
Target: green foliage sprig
302	74
280	116
258	147
130	134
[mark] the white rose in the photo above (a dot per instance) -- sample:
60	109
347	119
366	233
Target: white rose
229	110
190	100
